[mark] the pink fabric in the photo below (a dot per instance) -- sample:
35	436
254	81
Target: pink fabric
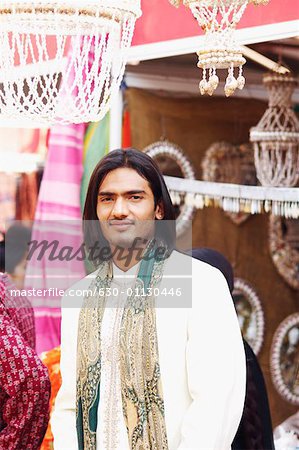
59	202
57	219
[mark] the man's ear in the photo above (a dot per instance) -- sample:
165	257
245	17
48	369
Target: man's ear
159	213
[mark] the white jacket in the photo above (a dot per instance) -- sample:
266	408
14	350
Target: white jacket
201	358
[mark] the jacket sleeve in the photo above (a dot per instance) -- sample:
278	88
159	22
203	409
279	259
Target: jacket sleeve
25	390
63	420
216	367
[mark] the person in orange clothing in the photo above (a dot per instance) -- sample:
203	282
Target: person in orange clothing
51	360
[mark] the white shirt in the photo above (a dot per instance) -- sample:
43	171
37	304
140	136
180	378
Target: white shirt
112	433
201	358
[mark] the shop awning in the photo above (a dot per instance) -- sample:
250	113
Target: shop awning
165	31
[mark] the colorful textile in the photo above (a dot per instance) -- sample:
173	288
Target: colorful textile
96	145
141	387
20	311
24	381
58	217
126	130
51	359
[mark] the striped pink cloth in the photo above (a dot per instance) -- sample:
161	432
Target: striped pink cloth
57	218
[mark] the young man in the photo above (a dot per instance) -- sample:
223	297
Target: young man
152	357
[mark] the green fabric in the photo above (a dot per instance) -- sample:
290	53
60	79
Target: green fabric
96	145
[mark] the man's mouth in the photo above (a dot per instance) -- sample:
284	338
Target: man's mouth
121	224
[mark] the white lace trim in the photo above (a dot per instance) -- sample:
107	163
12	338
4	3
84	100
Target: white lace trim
113	434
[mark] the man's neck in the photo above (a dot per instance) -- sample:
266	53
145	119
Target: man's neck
126	258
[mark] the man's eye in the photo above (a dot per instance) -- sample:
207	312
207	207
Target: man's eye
135	197
105	199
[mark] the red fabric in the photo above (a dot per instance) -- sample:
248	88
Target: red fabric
24	380
26	196
19	310
127	142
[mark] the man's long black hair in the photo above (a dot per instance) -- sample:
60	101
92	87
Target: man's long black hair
147	168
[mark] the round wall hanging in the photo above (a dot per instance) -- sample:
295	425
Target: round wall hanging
250	314
227	163
284	362
284	248
173	162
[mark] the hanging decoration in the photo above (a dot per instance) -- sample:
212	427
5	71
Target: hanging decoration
166	153
218	19
228	163
94	34
276	136
284	248
235	197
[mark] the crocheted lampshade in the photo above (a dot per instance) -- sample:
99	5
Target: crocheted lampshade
61	60
276	136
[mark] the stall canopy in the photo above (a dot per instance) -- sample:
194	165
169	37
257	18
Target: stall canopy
165	31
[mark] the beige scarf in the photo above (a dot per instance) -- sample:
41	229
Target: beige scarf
141	387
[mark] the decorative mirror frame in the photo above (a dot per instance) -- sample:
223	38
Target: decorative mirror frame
174	152
284	257
275	370
255	302
223	155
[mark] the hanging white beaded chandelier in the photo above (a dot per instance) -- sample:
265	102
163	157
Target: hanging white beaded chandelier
276	136
218	19
37	86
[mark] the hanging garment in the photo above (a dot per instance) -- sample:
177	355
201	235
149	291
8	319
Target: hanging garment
26	196
57	218
96	145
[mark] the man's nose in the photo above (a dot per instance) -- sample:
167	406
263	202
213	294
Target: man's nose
120	208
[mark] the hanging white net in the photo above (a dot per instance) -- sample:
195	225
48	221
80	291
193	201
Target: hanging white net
60	61
276	136
218	19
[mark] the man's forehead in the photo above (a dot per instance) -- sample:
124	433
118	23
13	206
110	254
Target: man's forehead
124	180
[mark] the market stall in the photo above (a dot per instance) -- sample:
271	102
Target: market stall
203	145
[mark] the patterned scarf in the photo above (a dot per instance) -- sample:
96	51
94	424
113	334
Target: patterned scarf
142	398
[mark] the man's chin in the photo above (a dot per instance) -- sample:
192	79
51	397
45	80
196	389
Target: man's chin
123	240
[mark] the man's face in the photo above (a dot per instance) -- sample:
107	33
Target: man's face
126	208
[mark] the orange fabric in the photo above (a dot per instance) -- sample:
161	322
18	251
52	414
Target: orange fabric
51	360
